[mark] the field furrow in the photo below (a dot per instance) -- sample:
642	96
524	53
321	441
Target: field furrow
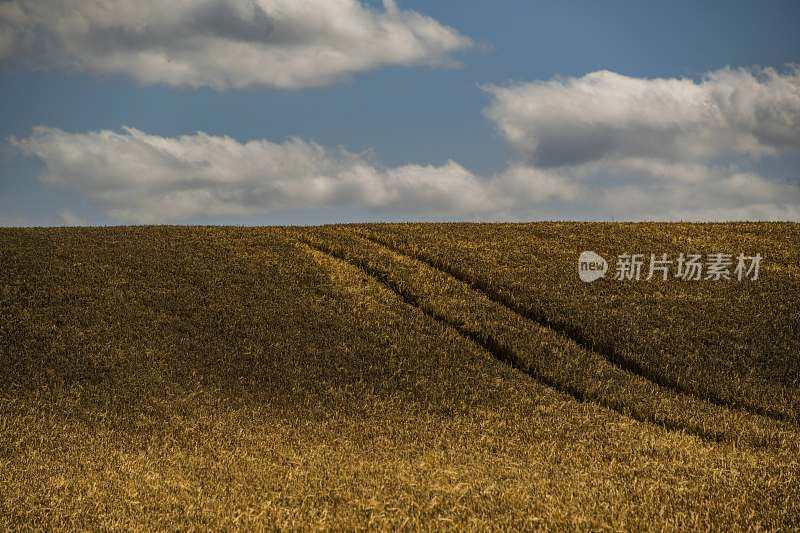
570	331
544	353
734	344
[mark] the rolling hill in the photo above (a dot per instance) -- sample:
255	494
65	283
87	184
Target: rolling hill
396	375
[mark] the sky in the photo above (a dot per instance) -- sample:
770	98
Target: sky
320	111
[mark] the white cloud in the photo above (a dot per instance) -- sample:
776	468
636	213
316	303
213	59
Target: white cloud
659	148
137	177
650	149
604	115
142	178
652	189
224	43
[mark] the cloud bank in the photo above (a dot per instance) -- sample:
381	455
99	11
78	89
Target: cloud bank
665	148
604	115
602	146
287	44
144	178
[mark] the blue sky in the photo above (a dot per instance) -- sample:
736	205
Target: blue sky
413	113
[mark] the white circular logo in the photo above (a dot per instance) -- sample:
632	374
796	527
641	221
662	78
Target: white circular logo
591	266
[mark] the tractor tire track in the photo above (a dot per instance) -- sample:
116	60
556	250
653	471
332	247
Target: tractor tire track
503	353
578	337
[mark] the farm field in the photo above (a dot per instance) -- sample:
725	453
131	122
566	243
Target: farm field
396	376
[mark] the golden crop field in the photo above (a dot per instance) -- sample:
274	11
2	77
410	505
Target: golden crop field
411	376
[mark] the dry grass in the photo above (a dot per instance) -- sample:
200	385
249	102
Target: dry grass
162	378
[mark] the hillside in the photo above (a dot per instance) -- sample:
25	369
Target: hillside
397	375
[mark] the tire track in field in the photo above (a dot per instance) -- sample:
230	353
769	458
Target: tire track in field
578	337
505	354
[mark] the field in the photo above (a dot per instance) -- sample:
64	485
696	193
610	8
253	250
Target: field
417	376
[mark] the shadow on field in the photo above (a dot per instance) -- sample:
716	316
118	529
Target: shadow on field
121	327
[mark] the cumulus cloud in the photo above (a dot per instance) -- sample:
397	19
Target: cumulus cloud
603	146
137	177
660	148
141	178
605	115
653	189
224	43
